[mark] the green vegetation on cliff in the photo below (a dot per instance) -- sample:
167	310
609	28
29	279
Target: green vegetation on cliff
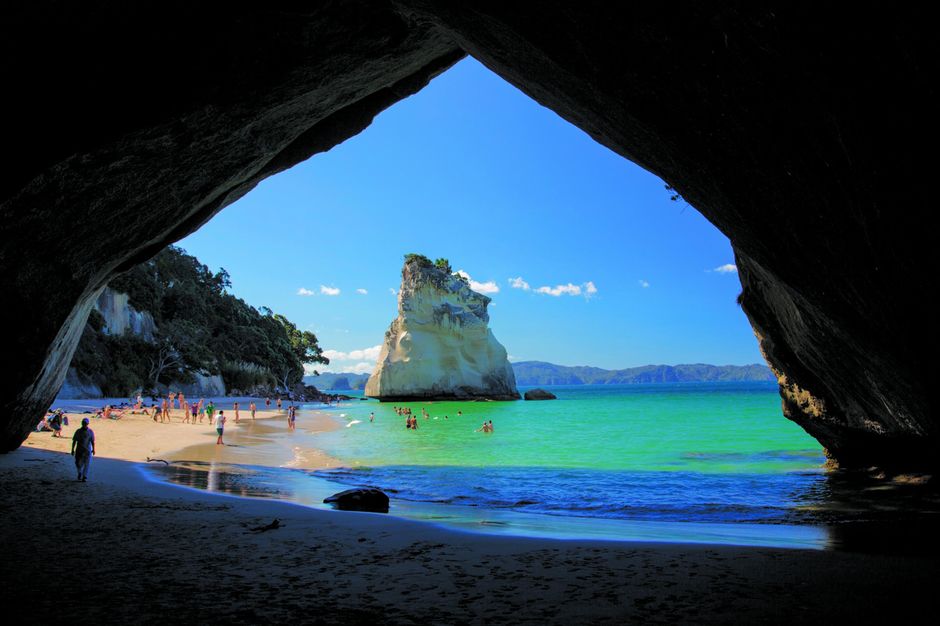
200	328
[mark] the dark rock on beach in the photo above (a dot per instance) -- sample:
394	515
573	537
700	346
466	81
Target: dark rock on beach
539	394
372	500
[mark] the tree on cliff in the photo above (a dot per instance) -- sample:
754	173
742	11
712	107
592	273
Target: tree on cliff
303	348
200	327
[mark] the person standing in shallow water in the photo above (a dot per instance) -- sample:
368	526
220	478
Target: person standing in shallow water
83	448
220	427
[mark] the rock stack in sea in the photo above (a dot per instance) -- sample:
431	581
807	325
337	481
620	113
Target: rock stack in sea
440	346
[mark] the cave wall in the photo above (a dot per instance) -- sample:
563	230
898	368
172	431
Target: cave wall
793	127
134	123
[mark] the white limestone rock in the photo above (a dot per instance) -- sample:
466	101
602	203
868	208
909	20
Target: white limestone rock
440	347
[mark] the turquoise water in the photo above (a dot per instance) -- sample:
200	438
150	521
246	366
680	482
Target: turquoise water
665	452
712	463
713	428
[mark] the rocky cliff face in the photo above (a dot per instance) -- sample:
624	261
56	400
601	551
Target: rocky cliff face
440	345
797	129
120	317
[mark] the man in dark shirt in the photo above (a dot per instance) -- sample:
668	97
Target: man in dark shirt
83	447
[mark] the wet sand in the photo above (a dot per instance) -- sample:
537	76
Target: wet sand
124	547
121	548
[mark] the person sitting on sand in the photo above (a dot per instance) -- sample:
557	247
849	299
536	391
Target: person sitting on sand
56	423
220	427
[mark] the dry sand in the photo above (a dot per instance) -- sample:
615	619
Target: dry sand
137	437
121	548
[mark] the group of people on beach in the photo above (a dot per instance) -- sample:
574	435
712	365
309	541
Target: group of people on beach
193	413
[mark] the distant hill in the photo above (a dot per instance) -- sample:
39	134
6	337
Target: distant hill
533	373
330	381
530	373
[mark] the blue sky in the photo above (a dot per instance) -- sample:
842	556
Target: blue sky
471	169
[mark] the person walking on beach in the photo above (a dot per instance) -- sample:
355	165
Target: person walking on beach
253	407
83	448
236	412
220	427
278	404
210	410
291	418
372	416
194	409
267	403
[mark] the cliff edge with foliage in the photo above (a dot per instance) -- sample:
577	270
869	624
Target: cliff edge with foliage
192	327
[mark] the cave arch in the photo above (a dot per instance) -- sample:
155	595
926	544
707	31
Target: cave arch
791	129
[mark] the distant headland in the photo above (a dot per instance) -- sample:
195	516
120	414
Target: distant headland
532	373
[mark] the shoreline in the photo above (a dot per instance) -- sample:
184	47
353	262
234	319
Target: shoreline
250	462
132	538
135	437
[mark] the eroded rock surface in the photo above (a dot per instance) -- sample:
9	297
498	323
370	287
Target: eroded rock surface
440	345
794	128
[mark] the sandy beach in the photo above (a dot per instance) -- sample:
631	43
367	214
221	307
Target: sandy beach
137	437
125	548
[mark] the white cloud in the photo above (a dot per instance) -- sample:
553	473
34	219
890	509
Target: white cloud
559	290
518	283
727	268
362	292
487	287
588	288
366	354
329	291
304	292
356	361
644	284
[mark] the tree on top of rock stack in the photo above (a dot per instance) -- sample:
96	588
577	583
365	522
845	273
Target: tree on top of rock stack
440	345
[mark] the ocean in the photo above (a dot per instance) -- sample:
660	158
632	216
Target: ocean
665	452
709	462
